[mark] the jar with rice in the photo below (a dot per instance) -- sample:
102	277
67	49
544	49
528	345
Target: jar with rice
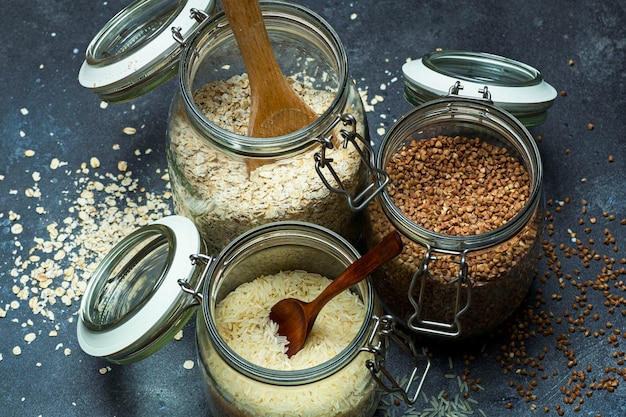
131	308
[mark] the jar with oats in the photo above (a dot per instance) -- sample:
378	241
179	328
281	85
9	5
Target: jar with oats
222	179
228	182
153	280
466	193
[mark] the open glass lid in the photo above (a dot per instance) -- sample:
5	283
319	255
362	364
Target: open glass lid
511	85
136	51
134	304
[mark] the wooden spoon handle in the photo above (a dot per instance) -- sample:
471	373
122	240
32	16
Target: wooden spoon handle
246	21
275	108
387	249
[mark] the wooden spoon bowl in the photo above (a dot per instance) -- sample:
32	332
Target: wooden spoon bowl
295	318
275	108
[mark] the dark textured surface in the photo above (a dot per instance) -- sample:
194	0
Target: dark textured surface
42	47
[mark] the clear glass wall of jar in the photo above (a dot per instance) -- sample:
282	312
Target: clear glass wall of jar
208	164
342	385
459	285
151	282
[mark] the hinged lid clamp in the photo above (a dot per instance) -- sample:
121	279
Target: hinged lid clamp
485	92
197	291
195	14
384	329
178	36
419	324
377	179
457	87
198	15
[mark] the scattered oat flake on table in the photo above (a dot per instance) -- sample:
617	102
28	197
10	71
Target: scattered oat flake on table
30	337
122	166
24	111
104	105
188	364
17	350
29	153
353	16
94	162
17	228
129	130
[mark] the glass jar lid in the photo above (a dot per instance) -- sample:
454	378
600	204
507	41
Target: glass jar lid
513	86
138	49
134	303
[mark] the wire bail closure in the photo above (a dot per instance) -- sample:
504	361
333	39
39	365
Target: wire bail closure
196	292
378	343
419	324
374	175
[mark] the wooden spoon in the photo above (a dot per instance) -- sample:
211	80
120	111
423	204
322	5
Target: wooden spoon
295	318
275	108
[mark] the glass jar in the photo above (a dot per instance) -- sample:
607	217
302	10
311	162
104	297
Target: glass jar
341	386
305	175
145	289
457	284
223	180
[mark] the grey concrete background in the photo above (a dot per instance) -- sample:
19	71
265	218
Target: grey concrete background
580	47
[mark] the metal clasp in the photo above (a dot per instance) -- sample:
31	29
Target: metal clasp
178	36
196	291
457	87
198	15
416	321
376	179
195	14
378	343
